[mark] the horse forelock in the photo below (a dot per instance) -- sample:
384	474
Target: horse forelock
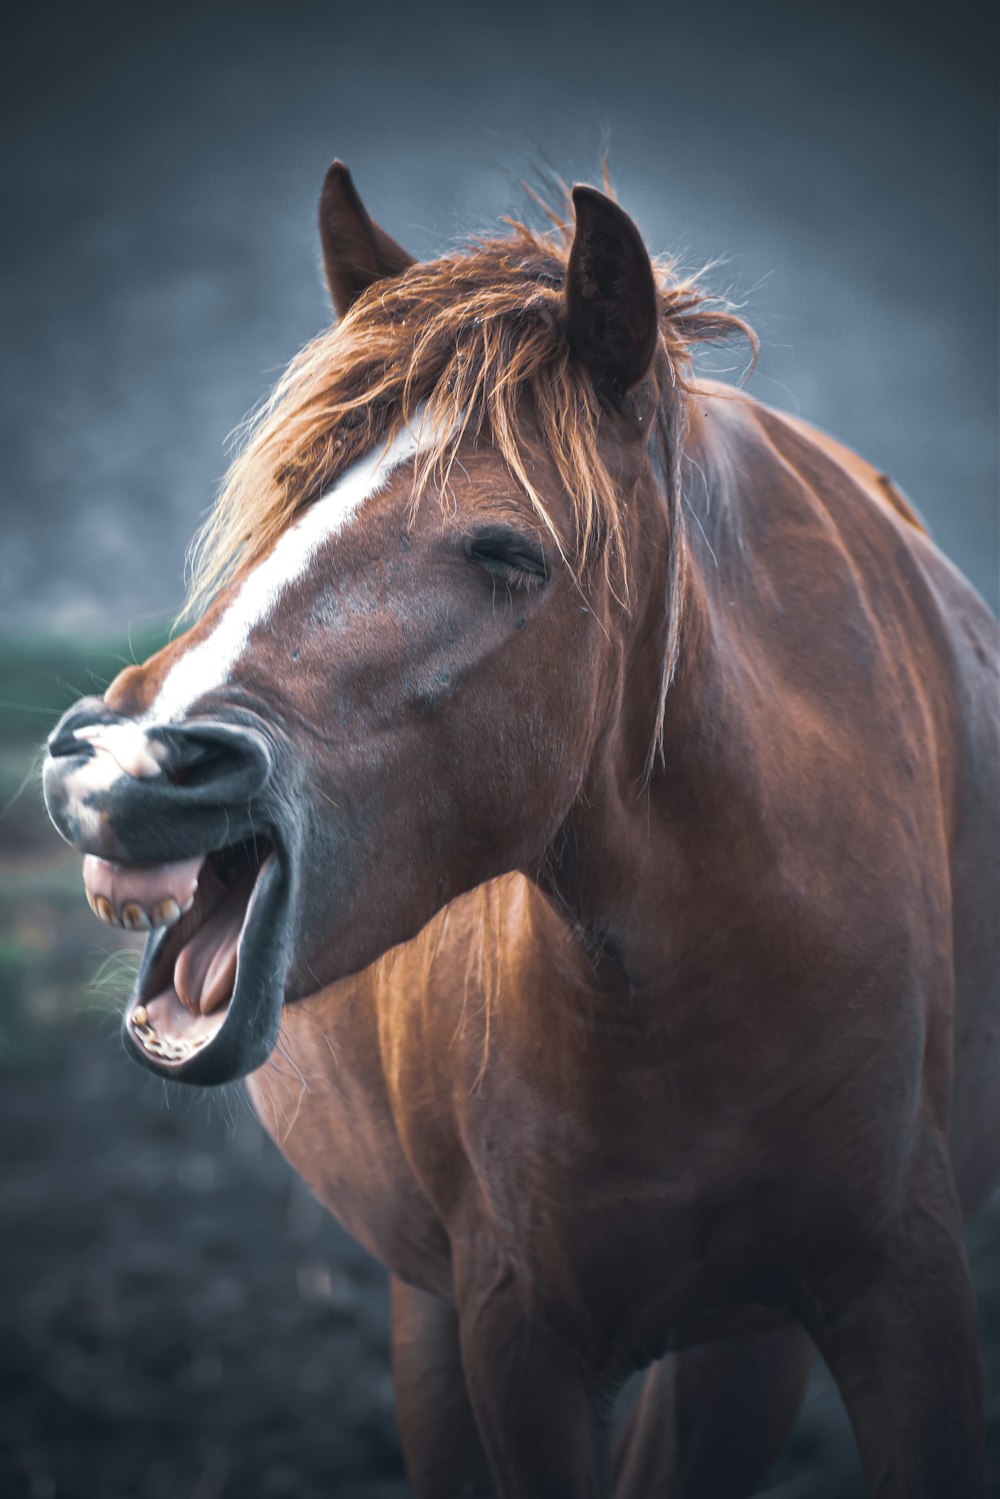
478	339
257	593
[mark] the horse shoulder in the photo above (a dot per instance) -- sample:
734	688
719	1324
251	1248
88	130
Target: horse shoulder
897	761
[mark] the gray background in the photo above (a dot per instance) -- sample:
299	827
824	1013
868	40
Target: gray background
160	263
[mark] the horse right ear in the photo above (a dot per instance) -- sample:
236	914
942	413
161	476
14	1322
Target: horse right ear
356	252
611	301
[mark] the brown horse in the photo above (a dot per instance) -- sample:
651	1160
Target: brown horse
591	776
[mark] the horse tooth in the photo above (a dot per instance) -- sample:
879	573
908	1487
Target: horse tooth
166	913
135	917
140	1016
91	902
106	911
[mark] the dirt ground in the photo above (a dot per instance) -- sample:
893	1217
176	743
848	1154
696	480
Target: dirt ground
178	1318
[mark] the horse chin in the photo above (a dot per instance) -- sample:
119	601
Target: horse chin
206	1006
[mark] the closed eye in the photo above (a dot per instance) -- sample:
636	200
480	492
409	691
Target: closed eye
516	559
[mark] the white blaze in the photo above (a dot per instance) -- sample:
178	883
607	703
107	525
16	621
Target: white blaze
118	747
125	748
210	663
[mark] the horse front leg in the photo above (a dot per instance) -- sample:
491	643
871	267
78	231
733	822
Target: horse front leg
543	1420
713	1419
444	1456
901	1341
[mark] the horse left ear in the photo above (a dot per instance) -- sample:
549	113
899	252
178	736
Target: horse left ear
611	300
356	252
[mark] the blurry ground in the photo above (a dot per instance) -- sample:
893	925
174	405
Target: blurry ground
178	1318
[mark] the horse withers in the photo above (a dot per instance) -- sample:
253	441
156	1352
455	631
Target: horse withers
575	809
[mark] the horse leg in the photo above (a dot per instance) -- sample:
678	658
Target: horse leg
900	1338
710	1422
444	1456
542	1418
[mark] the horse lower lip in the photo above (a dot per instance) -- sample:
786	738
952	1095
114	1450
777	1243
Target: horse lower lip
190	975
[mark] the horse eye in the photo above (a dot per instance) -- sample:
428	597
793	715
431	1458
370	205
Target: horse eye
518	560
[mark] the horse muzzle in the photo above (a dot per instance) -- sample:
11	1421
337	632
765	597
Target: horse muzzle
160	793
173	821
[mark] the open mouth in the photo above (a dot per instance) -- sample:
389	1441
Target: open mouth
202	914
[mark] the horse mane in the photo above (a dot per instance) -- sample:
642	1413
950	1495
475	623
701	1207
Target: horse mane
470	337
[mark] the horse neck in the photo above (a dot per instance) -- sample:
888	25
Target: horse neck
626	858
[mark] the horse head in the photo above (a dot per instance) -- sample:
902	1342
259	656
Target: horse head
417	644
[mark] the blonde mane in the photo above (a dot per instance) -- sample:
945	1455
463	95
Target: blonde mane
478	336
472	334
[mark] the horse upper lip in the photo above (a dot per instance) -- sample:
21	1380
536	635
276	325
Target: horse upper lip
142	794
141	896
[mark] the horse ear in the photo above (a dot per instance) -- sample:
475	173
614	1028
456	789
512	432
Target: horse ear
611	300
356	252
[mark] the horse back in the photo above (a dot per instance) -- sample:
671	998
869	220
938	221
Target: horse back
876	483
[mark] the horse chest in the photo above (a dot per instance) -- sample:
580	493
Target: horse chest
631	1192
327	1110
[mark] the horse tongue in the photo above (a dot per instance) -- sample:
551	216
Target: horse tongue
205	970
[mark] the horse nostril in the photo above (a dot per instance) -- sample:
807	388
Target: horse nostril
140	793
213	757
208	764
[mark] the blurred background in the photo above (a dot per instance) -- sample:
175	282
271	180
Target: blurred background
178	1319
